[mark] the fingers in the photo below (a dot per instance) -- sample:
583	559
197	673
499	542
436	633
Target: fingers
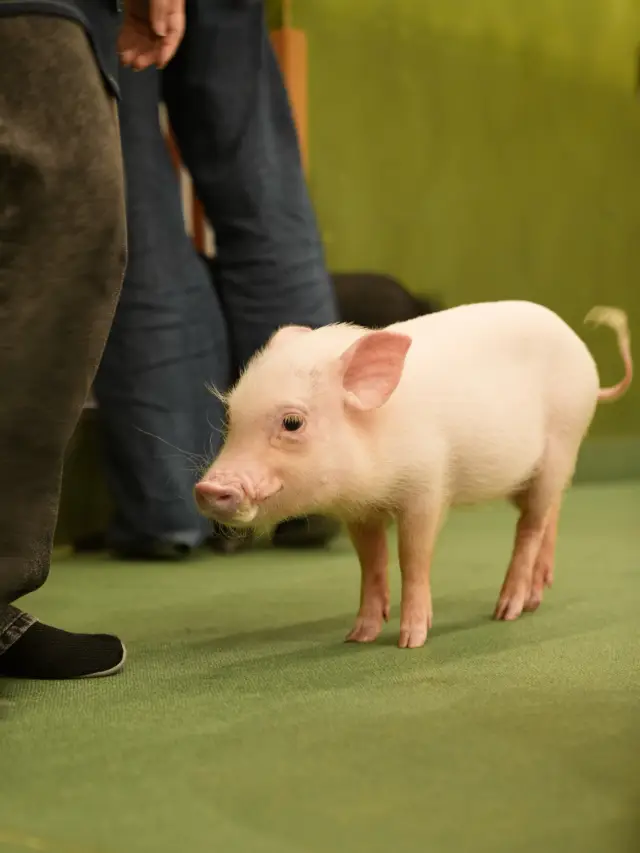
167	18
159	11
136	54
139	56
135	46
167	49
152	40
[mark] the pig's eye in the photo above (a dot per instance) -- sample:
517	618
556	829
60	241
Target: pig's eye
292	423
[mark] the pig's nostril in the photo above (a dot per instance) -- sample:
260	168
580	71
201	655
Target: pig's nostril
226	501
224	498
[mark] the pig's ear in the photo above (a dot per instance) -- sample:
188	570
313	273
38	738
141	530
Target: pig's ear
285	333
372	368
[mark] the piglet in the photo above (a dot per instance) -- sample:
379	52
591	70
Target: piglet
478	402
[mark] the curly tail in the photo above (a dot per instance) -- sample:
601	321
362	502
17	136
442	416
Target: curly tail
615	319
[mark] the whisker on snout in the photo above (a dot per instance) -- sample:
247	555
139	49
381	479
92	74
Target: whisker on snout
199	461
222	432
197	468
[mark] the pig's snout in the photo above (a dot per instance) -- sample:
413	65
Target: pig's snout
219	498
234	498
224	502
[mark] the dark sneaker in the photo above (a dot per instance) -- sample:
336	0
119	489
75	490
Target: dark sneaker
152	551
47	653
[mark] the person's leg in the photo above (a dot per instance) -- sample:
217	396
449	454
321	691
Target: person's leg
230	113
167	342
62	254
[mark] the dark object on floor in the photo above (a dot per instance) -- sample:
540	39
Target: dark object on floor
47	653
375	300
313	531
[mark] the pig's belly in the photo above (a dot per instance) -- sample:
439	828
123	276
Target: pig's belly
492	477
495	460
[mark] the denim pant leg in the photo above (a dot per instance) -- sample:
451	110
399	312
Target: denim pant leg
167	342
230	112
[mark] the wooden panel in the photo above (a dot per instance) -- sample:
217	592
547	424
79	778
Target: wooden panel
290	47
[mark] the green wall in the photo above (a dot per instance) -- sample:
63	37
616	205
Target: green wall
486	149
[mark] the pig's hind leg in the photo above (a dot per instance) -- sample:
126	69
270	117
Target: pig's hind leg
370	541
543	568
531	566
518	581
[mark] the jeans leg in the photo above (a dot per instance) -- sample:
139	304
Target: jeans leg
230	112
62	254
167	342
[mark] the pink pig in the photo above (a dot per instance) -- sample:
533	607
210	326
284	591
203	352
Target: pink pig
478	402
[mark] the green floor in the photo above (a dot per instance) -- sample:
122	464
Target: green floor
243	724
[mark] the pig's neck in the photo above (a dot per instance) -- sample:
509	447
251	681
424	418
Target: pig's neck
369	480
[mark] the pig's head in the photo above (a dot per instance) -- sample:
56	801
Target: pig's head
301	426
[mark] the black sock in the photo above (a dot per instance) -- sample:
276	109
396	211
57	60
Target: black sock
44	652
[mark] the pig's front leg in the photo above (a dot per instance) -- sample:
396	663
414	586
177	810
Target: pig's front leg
417	533
370	541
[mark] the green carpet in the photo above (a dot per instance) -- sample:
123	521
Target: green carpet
243	724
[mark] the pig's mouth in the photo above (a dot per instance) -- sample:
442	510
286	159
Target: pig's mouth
233	501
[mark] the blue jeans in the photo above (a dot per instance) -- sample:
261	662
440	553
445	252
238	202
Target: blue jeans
230	114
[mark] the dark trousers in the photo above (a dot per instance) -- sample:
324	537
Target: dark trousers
229	111
62	255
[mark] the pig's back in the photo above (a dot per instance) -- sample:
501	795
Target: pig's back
489	330
487	385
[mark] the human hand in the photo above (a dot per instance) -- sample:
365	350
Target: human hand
151	32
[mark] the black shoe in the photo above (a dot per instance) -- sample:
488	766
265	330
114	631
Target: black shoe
311	531
153	551
47	653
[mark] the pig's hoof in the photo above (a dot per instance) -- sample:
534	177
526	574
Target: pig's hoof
533	602
413	637
536	594
510	605
364	631
542	577
545	573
